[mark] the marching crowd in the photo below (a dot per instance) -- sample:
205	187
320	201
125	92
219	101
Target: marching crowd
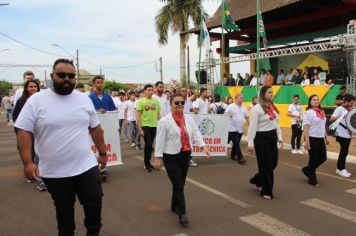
52	129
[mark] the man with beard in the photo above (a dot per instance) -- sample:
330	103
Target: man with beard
60	119
161	98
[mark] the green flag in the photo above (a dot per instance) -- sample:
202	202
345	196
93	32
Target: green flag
261	29
228	20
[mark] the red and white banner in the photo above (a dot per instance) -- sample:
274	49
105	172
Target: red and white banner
214	129
110	124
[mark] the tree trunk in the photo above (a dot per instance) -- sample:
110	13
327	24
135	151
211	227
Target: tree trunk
183	71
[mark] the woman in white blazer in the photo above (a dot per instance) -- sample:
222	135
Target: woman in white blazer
176	134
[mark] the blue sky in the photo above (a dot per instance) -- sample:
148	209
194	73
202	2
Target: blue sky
107	32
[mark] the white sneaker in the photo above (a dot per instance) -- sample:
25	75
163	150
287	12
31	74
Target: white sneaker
133	144
343	173
348	172
300	151
193	163
294	151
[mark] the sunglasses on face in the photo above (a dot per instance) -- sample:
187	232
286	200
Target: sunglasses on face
63	75
179	103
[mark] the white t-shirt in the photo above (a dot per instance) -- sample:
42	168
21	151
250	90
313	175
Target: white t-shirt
214	106
17	95
120	108
187	105
305	82
203	105
163	101
316	82
239	113
60	127
253	82
316	125
295	110
130	106
341	131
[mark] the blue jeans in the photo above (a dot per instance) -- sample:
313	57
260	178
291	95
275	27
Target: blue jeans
9	114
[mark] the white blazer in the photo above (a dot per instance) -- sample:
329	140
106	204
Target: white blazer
168	138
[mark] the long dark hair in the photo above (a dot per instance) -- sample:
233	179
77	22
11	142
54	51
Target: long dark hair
26	94
262	101
309	102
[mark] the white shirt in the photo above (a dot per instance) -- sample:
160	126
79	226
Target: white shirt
305	82
253	82
260	121
60	127
214	106
187	105
237	118
164	103
295	110
341	131
202	105
130	106
315	124
120	108
17	95
317	82
168	139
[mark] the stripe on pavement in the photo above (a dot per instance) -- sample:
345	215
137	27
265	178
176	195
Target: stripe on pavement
211	190
332	209
352	191
271	226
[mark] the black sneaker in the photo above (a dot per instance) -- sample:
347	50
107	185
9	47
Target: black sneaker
147	168
104	175
242	161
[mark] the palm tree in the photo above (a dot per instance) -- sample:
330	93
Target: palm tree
175	15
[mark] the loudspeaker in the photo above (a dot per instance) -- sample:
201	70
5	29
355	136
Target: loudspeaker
338	67
203	76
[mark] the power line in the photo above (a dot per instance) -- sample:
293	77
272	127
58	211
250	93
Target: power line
29	46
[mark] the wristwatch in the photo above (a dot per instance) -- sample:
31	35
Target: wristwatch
103	154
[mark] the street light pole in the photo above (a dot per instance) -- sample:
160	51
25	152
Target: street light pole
78	65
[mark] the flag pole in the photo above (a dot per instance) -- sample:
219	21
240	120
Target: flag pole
200	44
258	70
222	41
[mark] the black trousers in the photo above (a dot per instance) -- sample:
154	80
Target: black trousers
296	136
177	166
149	136
344	151
317	156
87	187
267	160
235	137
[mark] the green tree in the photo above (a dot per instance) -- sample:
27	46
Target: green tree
175	15
5	87
114	86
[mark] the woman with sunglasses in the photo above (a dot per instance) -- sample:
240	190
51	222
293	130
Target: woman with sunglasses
263	136
176	133
31	87
314	121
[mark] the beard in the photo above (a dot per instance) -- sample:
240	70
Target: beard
60	89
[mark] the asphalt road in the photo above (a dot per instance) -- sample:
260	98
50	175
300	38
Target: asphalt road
220	200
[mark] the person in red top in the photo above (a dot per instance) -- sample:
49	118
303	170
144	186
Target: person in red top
176	133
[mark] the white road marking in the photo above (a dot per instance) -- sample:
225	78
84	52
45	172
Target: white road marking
271	225
332	209
352	191
211	190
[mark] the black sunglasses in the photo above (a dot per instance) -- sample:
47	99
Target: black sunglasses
63	75
179	103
